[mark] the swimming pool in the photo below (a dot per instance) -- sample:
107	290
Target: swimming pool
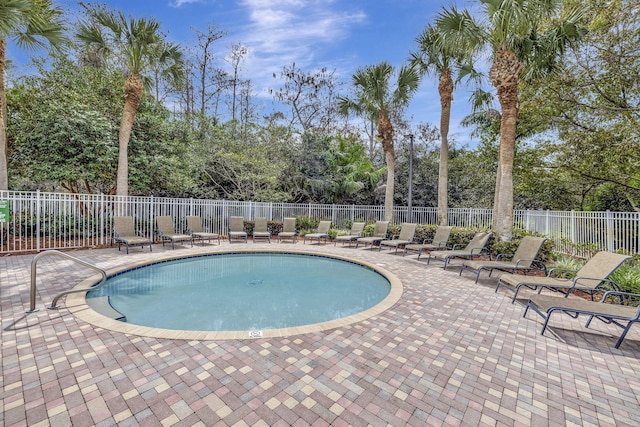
251	293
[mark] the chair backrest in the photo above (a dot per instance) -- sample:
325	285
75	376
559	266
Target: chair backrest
324	226
528	250
381	229
407	231
289	225
260	225
356	228
600	266
195	224
123	226
236	224
478	242
165	225
442	235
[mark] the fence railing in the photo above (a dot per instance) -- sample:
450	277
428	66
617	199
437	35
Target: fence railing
40	220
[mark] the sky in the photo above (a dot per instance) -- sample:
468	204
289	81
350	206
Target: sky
341	35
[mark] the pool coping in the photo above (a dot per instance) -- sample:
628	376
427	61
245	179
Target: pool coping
76	303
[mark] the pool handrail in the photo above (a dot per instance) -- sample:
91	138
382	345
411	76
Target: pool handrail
53	306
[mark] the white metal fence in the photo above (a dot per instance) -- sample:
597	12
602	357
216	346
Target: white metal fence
40	220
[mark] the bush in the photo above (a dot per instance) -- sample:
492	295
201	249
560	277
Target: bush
498	247
627	276
567	264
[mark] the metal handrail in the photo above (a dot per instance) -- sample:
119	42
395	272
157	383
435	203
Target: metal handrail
53	306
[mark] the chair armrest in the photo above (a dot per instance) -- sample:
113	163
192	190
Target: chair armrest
553	270
620	294
613	284
459	245
535	263
500	256
479	251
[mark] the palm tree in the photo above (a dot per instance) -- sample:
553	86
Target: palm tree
31	24
374	97
526	38
436	56
139	43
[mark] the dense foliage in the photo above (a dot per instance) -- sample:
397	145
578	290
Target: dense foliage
576	141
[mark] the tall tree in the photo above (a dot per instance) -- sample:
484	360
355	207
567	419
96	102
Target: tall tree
594	104
526	38
137	42
376	97
31	24
311	96
235	59
204	62
438	57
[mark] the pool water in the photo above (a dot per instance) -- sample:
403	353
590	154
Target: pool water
245	291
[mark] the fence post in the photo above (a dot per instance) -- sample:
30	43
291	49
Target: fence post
572	228
38	207
102	213
151	209
546	223
610	233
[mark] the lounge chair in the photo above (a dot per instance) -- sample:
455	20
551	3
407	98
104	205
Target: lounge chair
194	224
407	231
476	247
322	233
236	229
524	259
590	278
439	241
261	230
617	314
124	232
354	234
167	231
379	234
288	230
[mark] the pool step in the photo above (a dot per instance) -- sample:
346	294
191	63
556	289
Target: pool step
103	306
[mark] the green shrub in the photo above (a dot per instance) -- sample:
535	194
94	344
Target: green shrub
567	266
306	223
499	247
627	276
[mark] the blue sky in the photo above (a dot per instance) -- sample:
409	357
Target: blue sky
337	34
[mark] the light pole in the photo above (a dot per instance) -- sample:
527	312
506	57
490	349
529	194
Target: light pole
410	201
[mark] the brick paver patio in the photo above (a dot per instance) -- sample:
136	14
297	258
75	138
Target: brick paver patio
450	352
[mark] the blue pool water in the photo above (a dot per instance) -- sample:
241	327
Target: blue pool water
245	291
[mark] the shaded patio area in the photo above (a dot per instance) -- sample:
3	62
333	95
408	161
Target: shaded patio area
450	352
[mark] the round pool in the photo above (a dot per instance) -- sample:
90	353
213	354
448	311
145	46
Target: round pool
246	294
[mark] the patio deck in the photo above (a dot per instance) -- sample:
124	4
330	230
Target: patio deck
450	352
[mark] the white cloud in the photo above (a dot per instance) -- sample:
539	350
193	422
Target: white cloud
179	3
285	31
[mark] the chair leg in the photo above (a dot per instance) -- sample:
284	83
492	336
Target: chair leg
624	334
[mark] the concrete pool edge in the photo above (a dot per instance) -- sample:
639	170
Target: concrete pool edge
77	305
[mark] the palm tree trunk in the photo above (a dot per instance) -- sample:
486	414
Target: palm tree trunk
505	73
4	163
445	88
133	93
385	133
